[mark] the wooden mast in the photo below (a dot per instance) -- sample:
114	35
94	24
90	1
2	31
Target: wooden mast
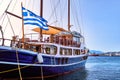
41	14
69	15
23	38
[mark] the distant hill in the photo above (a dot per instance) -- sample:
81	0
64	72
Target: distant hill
95	52
111	54
100	53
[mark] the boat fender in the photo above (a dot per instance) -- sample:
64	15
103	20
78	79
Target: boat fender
40	58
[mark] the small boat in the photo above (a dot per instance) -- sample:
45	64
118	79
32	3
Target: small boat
63	51
93	54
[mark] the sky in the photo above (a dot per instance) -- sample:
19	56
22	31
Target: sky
100	23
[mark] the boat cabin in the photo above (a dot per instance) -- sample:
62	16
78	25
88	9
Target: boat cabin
62	43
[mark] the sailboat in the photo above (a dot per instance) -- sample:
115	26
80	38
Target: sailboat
63	51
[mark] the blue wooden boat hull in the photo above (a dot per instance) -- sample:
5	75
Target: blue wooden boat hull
29	66
11	70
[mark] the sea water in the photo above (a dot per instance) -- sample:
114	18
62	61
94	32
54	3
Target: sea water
96	68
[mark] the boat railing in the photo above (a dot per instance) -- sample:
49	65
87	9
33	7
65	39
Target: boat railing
5	42
18	43
28	45
66	42
11	43
55	39
47	49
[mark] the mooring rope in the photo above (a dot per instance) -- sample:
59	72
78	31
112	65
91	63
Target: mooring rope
42	73
19	68
10	70
18	64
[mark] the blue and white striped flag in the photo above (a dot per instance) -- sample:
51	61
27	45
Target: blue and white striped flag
33	19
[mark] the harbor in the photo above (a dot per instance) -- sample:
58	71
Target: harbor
59	40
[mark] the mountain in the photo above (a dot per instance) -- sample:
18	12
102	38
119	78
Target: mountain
95	52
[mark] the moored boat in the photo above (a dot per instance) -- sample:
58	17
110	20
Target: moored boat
59	53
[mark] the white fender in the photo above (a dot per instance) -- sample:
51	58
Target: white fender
40	58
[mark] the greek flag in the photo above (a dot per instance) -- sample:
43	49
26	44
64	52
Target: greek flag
32	19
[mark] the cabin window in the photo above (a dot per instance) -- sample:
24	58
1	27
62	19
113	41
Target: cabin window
79	52
61	49
76	52
64	51
51	49
77	39
55	50
69	51
47	50
82	40
33	48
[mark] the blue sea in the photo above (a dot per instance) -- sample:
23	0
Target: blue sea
96	68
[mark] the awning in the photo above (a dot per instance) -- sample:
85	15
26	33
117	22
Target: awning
52	30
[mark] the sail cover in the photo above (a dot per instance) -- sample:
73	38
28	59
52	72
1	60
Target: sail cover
52	30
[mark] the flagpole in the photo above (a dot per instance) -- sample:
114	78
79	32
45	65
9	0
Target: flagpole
41	14
22	26
69	15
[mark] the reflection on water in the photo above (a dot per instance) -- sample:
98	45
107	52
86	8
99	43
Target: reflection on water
103	68
78	75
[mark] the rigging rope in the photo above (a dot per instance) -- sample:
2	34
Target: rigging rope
62	11
42	73
14	69
11	25
10	16
32	5
3	18
19	68
27	5
82	24
18	64
4	12
53	10
75	16
5	25
2	35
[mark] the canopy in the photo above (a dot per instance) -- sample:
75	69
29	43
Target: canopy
52	30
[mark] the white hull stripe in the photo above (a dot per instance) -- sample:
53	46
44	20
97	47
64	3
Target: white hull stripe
44	65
